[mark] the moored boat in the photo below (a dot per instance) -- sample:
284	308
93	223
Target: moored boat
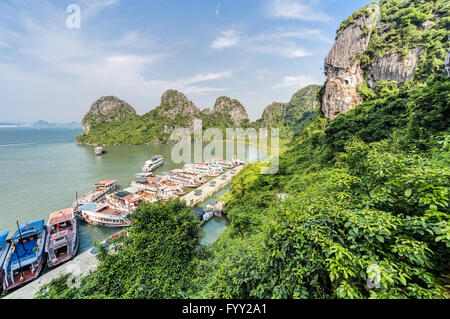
102	214
102	189
4	247
204	169
26	256
63	239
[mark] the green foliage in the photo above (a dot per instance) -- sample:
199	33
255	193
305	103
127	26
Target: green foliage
402	29
362	205
423	110
157	260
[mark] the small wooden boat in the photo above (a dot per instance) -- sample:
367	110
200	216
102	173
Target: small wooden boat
26	255
63	239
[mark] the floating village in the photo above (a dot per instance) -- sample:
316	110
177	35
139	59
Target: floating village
37	246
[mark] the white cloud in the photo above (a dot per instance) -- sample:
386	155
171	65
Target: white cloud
208	77
283	49
297	81
295	9
307	34
100	3
227	39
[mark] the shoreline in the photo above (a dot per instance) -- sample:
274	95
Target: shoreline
85	262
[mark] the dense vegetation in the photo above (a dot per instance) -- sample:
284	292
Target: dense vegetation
406	25
149	128
361	199
359	207
156	260
156	126
344	208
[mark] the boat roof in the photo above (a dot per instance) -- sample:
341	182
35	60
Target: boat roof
131	189
92	207
3	236
132	198
123	194
107	182
61	216
25	253
30	229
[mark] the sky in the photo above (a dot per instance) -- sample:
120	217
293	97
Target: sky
257	52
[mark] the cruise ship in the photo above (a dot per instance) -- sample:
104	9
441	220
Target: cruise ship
26	255
102	214
180	176
155	162
235	161
63	239
204	169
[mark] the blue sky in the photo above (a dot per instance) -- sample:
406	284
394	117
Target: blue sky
255	51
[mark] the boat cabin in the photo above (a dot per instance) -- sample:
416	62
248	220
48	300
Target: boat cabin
26	255
62	242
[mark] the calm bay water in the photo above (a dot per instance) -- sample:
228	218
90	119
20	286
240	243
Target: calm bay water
41	169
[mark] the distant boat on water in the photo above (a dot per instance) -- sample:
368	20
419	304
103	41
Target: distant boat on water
99	151
26	255
155	162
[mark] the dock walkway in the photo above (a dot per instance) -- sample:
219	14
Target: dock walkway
86	262
209	189
83	264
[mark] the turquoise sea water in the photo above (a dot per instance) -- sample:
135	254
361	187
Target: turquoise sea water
41	170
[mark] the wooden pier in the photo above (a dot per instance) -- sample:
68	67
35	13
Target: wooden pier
210	188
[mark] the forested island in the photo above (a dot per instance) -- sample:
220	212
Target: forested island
361	193
113	121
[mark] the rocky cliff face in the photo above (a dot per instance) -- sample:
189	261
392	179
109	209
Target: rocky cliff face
396	41
175	104
232	107
288	114
393	67
274	114
344	72
107	108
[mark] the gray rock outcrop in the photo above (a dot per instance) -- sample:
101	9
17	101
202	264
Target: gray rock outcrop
344	71
233	107
106	108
